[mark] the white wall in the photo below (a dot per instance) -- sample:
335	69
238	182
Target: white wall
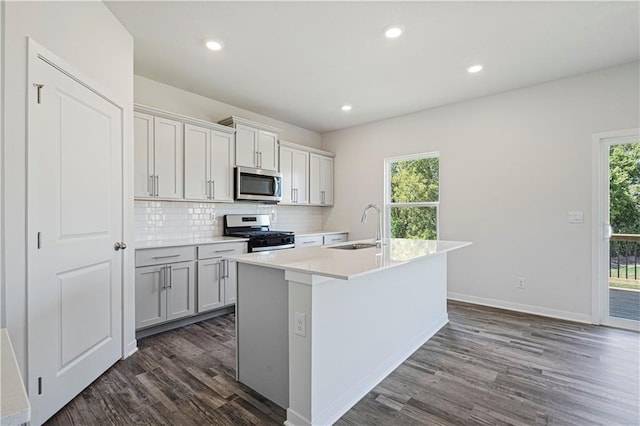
512	166
86	35
168	98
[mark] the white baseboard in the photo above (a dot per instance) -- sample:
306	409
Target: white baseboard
528	309
132	348
351	397
295	419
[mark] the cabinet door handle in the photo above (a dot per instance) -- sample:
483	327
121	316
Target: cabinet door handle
163	278
156	187
166	257
150	182
170	275
260	157
256	161
224	251
213	189
307	242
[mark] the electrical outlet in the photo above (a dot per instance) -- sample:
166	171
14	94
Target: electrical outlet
300	324
520	282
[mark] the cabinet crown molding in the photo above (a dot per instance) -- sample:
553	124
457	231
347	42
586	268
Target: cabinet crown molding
233	120
183	118
305	148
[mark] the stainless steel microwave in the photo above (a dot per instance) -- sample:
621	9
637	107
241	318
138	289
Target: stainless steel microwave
258	185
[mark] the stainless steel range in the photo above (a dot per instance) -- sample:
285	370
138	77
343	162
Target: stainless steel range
256	227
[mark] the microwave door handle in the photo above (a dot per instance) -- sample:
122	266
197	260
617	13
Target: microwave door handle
275	186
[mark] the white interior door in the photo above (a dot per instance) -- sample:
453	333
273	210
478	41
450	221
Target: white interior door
74	219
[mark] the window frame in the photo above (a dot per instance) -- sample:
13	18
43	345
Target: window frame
387	191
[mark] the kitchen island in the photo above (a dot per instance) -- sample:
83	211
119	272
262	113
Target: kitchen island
319	327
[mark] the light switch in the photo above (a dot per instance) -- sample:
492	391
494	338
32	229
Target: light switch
576	217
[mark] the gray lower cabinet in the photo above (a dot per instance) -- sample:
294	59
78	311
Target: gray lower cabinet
164	292
217	277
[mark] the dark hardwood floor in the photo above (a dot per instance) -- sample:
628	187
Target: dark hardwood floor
487	366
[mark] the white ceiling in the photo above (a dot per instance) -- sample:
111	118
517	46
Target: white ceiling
300	61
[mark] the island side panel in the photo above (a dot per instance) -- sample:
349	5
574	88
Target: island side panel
262	331
360	330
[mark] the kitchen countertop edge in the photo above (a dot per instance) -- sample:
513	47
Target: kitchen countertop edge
262	259
150	244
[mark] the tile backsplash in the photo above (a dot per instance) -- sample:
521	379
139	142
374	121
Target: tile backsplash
160	220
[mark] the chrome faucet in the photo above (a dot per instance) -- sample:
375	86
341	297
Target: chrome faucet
378	239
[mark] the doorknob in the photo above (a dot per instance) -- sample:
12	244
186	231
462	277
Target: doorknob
119	245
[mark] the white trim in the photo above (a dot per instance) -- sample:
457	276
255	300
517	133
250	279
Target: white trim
2	179
233	120
185	119
305	148
527	309
359	390
600	214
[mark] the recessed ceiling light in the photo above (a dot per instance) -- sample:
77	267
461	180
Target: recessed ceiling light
214	45
346	107
474	69
394	31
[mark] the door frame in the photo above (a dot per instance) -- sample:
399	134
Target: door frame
37	52
601	142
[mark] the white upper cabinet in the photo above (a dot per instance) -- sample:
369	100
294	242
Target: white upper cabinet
222	159
208	164
294	166
267	150
320	180
197	167
143	155
246	146
256	144
168	139
158	157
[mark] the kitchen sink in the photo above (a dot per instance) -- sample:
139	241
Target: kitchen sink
354	246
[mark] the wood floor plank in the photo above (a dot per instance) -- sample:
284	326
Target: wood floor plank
486	367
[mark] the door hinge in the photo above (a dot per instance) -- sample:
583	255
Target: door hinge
38	243
39	89
39	385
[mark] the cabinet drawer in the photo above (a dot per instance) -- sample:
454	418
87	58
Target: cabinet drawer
158	256
330	239
208	251
309	241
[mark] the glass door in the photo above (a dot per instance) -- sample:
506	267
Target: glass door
620	254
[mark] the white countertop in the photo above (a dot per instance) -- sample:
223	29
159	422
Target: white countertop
313	234
186	242
14	403
348	264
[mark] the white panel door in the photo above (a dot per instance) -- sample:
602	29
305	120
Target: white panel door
301	176
196	162
143	156
168	139
74	218
268	150
221	166
246	146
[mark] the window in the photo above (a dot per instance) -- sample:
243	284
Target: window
412	196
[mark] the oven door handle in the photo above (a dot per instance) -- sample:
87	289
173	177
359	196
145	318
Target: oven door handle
280	247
